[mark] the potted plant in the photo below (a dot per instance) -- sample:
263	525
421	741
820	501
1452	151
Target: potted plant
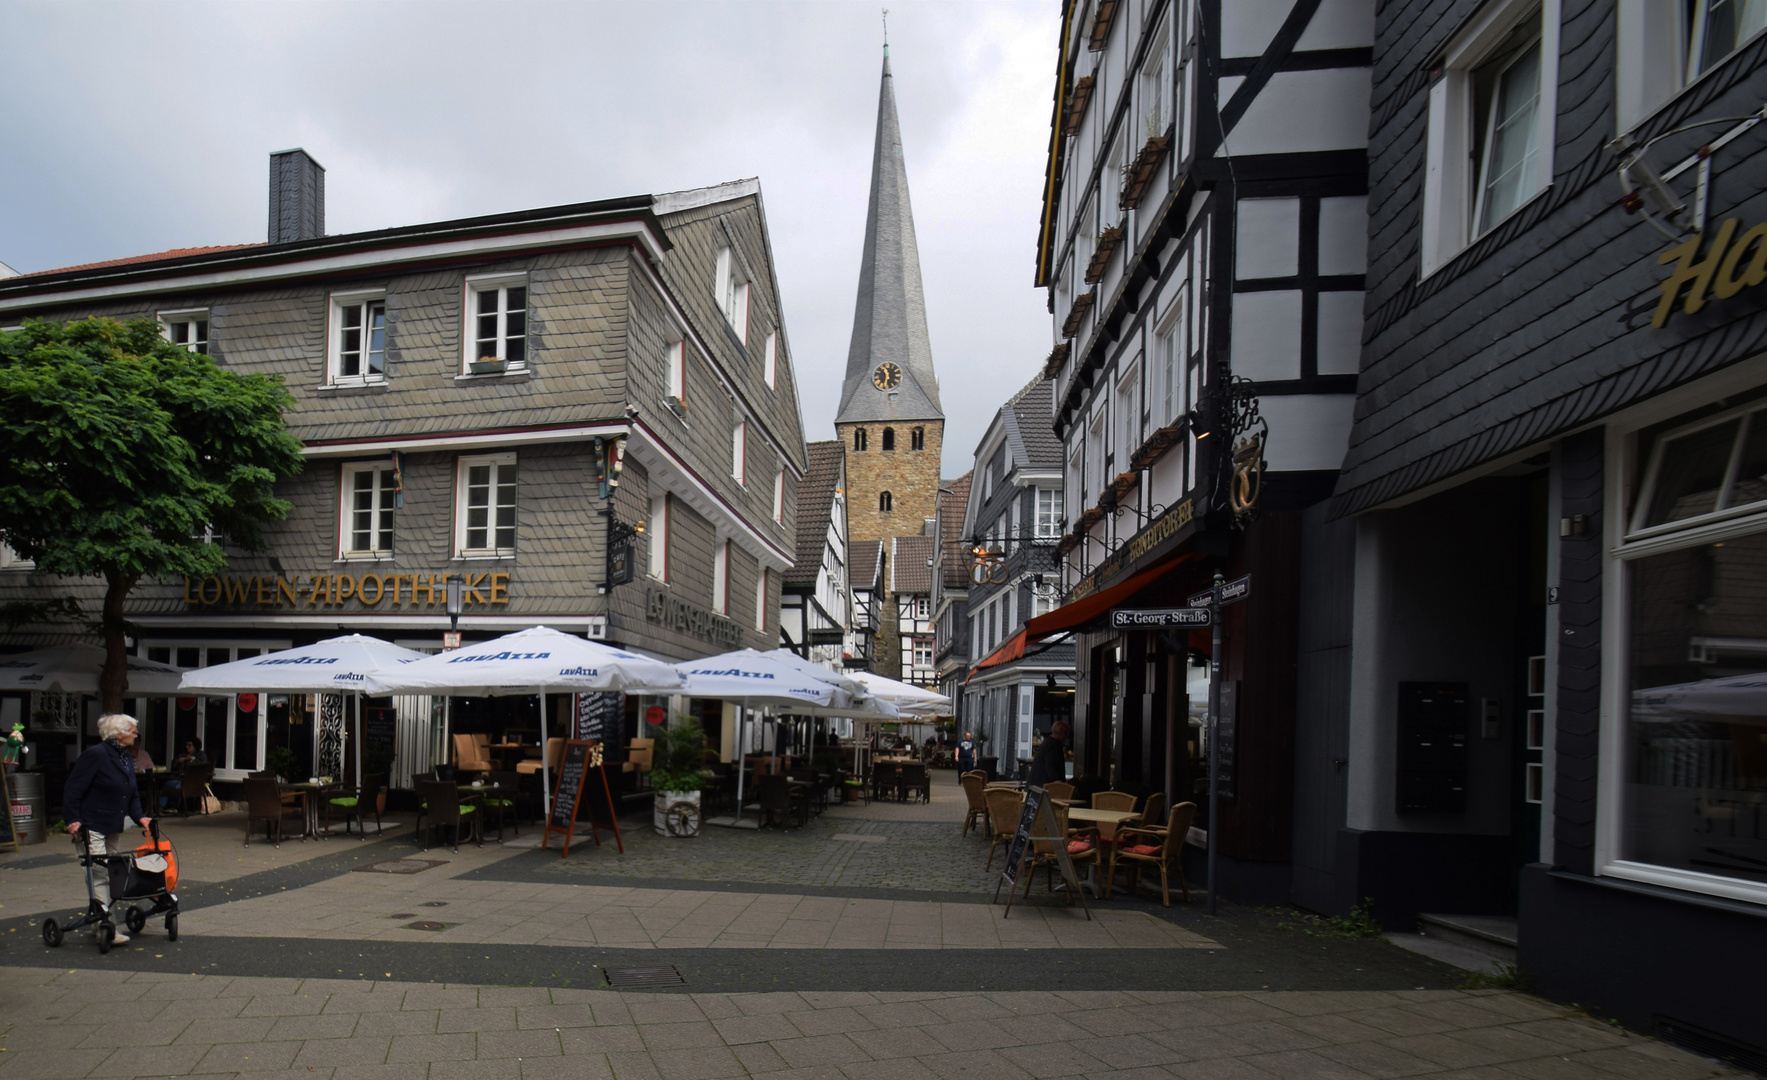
676	774
280	760
486	365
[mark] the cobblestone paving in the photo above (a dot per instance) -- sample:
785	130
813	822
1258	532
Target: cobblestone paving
60	1025
920	856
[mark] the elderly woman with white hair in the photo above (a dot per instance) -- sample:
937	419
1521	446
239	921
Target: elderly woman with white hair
100	791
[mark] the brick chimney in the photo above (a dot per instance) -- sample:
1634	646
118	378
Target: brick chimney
297	197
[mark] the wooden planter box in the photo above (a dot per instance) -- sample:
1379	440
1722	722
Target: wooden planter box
1078	99
1057	357
486	367
1108	242
1076	316
1140	173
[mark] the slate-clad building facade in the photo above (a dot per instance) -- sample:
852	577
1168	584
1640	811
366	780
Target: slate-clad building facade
1202	244
466	391
1533	634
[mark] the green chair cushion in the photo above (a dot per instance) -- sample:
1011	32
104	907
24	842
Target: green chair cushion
348	802
465	810
499	802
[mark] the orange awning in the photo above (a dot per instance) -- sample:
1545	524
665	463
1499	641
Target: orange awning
1080	612
1014	649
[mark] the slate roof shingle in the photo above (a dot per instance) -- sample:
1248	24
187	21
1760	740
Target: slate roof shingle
815	505
909	572
952	503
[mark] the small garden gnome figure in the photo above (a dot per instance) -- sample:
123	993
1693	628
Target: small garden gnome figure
13	754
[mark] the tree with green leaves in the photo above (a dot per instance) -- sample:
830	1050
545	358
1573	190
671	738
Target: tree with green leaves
124	456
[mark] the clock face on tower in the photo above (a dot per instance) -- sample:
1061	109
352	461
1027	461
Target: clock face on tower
886	377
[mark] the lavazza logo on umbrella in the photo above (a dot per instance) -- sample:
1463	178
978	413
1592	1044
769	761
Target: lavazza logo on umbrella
579	672
296	660
736	672
487	657
349	676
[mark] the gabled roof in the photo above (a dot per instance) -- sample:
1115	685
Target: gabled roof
909	569
1030	426
175	253
866	566
815	507
953	560
889	316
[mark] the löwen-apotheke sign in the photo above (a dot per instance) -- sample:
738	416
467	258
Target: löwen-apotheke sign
406	591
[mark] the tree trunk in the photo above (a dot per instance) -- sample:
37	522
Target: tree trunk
113	681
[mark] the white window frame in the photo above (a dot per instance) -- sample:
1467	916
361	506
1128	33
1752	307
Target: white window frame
334	339
739	452
675	371
1048	518
779	497
762	581
1654	46
658	527
1449	192
346	512
187	317
731	292
770	360
1624	479
469	307
462	470
721	578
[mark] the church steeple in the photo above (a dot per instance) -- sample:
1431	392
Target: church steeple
890	360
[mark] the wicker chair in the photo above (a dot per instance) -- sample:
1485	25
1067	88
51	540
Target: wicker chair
1043	851
263	800
975	785
914	779
1004	807
1153	814
885	778
354	802
441	806
776	796
1120	801
1061	789
1145	847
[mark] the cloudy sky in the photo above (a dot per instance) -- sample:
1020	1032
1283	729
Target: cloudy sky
140	127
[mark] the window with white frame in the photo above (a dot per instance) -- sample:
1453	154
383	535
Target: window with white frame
357	352
486	501
497	320
1048	513
721	578
739	452
923	652
1156	86
1661	47
675	366
187	328
1695	658
731	290
923	607
1491	110
763	586
779	497
368	500
658	530
770	360
1128	410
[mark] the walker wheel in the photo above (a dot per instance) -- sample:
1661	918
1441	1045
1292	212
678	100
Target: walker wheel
172	926
105	932
52	933
134	919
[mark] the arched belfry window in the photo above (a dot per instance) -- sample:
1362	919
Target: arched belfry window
917	439
884	500
858	438
889	438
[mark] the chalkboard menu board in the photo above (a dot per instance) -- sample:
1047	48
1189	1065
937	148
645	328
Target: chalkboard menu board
1021	839
600	716
1227	730
567	789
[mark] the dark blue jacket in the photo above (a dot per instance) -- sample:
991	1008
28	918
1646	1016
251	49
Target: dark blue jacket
101	789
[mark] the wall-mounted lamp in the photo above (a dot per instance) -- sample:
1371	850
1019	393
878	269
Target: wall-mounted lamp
456	601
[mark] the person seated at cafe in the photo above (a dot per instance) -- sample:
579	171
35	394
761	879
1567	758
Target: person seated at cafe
192	755
143	760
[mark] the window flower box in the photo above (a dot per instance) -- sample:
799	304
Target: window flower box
1138	177
1077	314
1108	242
490	365
1057	357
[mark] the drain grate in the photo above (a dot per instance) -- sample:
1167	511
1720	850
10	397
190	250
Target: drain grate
400	866
434	903
639	977
427	924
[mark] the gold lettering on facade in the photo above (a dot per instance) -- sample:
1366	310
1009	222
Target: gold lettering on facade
500	587
1717	270
277	591
362	589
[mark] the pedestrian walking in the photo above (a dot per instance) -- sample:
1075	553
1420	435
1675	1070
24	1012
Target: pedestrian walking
100	792
966	753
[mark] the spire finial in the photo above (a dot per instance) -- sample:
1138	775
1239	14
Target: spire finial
886	22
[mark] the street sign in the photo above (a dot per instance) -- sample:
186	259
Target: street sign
1155	618
622	563
1231	593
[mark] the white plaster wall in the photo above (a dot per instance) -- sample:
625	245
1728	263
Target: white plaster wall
1340	333
1343	235
1247	26
1307	431
1268	238
1267	335
1303	111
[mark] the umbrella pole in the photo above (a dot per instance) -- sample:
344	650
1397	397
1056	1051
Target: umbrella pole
546	767
742	716
358	741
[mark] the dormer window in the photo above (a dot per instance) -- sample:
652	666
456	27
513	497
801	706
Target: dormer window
497	324
731	290
187	328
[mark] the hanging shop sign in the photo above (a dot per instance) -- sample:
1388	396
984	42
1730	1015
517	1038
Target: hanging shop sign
668	610
1731	264
1166	531
335	590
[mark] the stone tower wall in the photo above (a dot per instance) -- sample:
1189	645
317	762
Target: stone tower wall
910	476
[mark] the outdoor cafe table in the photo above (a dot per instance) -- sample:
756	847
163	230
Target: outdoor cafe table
1107	822
312	794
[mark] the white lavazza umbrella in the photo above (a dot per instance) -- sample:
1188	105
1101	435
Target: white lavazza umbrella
537	661
336	665
74	669
1736	696
911	700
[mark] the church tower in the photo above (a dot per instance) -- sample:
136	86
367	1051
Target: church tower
890	420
